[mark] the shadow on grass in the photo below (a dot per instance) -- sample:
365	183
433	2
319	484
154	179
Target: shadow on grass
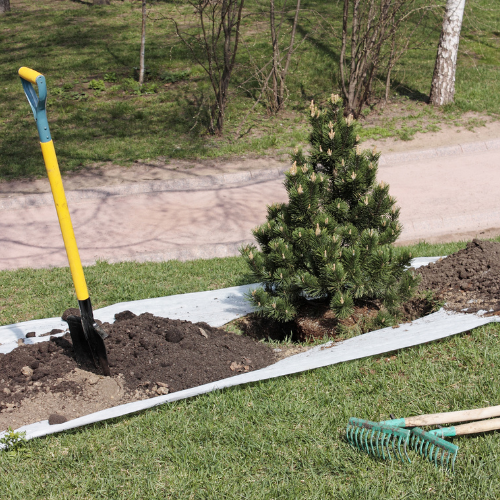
405	90
115	131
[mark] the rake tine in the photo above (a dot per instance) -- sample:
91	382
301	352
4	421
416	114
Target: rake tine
434	448
382	446
379	453
371	443
367	448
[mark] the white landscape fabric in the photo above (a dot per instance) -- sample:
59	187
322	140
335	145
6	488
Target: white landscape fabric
220	306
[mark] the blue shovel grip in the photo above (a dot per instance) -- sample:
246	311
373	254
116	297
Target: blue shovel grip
36	102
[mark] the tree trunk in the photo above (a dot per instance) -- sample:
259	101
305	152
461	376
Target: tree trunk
443	80
143	44
274	43
289	55
4	6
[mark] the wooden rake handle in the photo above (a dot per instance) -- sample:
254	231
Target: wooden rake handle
475	427
446	418
470	428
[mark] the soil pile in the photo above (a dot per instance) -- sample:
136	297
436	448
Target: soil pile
468	280
148	356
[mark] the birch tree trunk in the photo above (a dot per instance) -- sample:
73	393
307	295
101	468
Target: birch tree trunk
143	44
443	80
4	6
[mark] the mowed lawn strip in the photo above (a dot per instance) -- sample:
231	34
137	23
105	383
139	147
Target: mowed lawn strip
98	113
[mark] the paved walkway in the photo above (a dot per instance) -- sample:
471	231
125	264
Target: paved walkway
445	194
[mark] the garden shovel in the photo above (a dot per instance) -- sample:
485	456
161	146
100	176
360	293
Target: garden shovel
87	336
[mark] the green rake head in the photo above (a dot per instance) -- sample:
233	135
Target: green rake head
378	439
434	448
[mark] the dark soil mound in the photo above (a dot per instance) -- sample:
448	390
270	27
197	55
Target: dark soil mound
148	356
468	279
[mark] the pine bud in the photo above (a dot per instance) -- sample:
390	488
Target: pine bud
366	200
358	149
330	125
299	189
338	206
269	225
318	112
250	255
253	293
353	175
370	165
335	98
281	275
349	120
382	185
309	207
318	230
281	228
374	150
283	255
326	221
325	254
320	149
313	177
331	135
258	303
393	209
293	169
371	232
340	255
353	252
334	238
274	305
357	138
341	299
321	178
300	234
333	267
343	162
305	168
350	231
329	152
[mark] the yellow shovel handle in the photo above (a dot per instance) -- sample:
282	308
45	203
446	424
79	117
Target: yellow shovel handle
56	185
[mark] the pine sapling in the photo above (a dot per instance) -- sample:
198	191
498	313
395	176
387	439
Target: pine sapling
332	241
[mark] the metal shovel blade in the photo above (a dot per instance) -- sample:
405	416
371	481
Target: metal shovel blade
88	337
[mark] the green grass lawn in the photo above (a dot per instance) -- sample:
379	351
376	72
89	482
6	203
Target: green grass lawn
281	438
98	113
